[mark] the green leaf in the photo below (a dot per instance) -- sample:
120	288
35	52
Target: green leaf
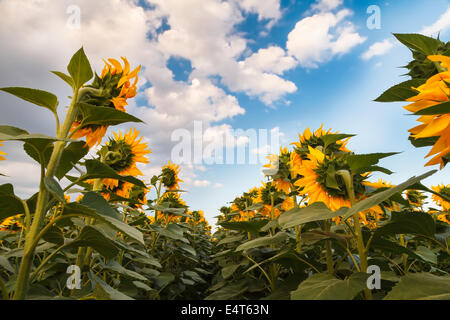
5	264
163	279
73	153
116	267
360	162
53	186
443	108
94	200
228	292
10	205
231	239
332	138
419	42
388	246
103	291
228	271
38	141
421	286
401	91
80	69
416	223
378	198
322	286
423	142
54	235
92	236
96	169
68	79
248	226
263	241
75	208
426	254
317	211
95	115
38	97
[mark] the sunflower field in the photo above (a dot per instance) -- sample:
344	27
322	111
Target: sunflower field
318	228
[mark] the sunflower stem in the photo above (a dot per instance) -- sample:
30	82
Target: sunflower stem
36	225
348	180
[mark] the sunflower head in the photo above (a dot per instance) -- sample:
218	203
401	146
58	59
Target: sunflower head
123	152
12	224
169	176
322	140
445	190
2	153
111	89
138	193
320	181
415	198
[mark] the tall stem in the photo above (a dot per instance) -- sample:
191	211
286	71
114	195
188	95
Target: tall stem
348	180
36	225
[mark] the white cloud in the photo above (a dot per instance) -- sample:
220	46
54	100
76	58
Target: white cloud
272	59
378	49
201	183
318	38
202	31
267	9
218	185
441	25
326	5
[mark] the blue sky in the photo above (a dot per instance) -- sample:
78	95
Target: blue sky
232	64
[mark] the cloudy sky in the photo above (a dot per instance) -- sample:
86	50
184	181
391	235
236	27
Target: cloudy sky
231	64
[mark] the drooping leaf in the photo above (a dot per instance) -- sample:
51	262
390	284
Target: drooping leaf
263	241
96	169
53	186
315	212
378	198
91	236
421	286
95	115
38	97
248	226
326	287
416	223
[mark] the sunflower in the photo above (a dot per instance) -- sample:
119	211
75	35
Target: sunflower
170	177
11	224
171	200
319	186
279	170
123	153
288	204
314	140
2	153
271	199
415	198
138	193
434	126
122	189
111	89
444	189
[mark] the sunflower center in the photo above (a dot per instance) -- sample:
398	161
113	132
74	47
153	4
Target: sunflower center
118	155
333	183
168	177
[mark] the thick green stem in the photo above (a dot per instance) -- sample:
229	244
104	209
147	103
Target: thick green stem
329	254
36	225
348	180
